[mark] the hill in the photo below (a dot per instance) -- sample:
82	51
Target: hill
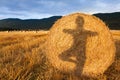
28	24
111	19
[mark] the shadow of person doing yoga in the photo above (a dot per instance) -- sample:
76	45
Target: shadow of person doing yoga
77	52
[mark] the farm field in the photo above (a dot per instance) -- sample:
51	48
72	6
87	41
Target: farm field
22	58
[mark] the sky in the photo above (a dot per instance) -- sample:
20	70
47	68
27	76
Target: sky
37	9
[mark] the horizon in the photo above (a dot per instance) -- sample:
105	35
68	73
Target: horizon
38	9
51	16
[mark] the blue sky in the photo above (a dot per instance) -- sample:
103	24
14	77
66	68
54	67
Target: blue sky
36	9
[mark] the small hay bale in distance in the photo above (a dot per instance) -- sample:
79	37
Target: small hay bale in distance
80	44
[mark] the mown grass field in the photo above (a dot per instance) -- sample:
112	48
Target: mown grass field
22	58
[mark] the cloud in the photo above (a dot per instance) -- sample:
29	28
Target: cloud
101	6
46	8
52	3
106	7
7	13
25	15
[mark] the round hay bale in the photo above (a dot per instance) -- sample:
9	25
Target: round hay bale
80	44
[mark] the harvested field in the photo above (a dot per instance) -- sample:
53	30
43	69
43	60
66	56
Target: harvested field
24	59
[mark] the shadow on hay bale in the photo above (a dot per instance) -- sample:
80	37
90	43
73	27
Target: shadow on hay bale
78	48
80	44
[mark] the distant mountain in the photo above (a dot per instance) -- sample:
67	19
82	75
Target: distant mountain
28	24
111	19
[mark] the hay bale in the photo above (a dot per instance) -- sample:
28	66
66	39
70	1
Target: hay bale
80	44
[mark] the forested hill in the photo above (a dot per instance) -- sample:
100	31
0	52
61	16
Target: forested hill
111	19
29	24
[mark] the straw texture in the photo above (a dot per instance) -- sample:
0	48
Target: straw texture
80	44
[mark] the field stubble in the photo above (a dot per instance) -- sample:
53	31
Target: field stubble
22	58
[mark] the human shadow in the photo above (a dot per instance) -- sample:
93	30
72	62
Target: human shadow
76	53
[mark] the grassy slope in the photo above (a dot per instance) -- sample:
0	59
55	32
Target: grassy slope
22	58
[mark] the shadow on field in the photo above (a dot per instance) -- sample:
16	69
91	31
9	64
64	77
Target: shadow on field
76	53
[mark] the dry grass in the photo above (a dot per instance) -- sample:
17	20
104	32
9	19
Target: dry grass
80	44
23	58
